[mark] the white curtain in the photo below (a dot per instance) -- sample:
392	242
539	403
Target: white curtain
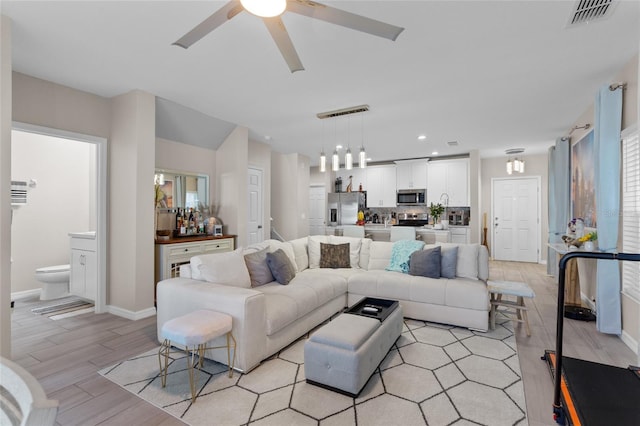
559	199
608	122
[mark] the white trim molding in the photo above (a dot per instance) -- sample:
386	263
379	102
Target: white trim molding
25	294
131	315
631	342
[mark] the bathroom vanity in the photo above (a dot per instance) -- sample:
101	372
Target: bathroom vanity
83	278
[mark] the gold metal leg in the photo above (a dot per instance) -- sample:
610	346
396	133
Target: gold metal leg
190	361
231	363
164	352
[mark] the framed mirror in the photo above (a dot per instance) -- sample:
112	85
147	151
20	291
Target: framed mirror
177	189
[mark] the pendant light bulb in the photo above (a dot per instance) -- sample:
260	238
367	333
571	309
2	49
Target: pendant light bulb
509	166
323	162
348	160
335	161
362	160
265	8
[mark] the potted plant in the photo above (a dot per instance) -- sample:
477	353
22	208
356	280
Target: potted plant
589	241
436	210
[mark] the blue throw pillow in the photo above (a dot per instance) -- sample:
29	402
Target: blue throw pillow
401	253
425	263
448	262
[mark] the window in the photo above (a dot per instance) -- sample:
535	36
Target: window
631	212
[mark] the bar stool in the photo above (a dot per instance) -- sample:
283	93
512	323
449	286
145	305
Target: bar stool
512	310
193	331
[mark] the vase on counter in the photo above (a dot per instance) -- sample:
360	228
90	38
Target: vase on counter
589	246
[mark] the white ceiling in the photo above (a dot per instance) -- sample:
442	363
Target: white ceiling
491	75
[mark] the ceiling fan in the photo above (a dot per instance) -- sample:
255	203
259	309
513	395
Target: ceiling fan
270	12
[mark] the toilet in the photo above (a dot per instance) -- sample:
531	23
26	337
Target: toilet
55	281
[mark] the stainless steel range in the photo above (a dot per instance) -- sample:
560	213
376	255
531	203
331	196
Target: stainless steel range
408	219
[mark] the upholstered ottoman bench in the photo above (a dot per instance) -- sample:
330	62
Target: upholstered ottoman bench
343	354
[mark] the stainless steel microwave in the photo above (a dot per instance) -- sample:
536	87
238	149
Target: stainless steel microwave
411	197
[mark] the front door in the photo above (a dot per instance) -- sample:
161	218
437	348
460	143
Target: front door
516	219
256	214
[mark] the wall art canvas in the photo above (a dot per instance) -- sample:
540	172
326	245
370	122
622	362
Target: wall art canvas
166	194
583	191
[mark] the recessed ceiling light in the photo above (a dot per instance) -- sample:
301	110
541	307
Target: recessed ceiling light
338	146
422	137
267	138
369	159
434	153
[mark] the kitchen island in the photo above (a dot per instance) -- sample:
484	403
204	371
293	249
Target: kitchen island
380	232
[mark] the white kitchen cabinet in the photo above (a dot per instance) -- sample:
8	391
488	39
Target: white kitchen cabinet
411	174
83	276
459	235
449	177
381	186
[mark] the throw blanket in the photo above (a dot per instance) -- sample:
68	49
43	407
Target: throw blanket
401	253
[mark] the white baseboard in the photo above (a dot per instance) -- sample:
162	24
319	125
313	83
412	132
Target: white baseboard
543	262
131	315
631	342
27	293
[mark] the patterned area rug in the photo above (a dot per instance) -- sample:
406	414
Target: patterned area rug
433	375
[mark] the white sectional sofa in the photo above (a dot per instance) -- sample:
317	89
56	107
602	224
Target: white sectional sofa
269	317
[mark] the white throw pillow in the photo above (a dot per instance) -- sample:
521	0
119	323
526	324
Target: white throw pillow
354	248
300	251
314	249
223	268
379	255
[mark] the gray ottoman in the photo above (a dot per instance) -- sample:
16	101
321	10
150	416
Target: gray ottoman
343	354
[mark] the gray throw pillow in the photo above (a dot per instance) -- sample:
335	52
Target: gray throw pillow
280	266
425	263
334	256
258	268
448	262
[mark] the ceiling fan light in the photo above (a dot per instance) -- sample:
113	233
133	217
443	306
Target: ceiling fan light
323	162
362	160
335	161
265	8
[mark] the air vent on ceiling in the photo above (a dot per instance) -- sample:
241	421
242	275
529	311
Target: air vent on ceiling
343	111
452	143
586	11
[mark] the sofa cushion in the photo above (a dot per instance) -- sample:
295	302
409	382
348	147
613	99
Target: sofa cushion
222	268
399	286
314	249
300	253
448	261
334	255
468	294
379	255
355	245
258	268
308	291
401	254
281	267
425	263
483	263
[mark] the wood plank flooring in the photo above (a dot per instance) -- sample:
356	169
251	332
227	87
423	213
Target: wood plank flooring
65	355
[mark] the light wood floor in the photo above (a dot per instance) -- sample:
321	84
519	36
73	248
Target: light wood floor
65	355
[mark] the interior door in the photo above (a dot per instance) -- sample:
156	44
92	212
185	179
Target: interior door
516	224
256	214
317	210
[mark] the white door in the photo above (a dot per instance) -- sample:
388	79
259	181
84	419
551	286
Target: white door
516	224
256	214
317	201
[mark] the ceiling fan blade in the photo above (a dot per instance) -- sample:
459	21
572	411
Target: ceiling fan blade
283	41
219	17
346	19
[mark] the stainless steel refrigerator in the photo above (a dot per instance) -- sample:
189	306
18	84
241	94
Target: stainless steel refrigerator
344	206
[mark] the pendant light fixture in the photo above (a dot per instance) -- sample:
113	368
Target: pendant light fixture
515	164
348	158
335	161
264	8
362	158
323	162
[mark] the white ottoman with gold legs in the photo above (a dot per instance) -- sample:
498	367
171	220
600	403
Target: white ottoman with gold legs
193	331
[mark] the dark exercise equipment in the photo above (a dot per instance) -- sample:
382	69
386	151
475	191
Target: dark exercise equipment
589	393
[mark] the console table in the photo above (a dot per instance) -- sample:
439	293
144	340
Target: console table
172	253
